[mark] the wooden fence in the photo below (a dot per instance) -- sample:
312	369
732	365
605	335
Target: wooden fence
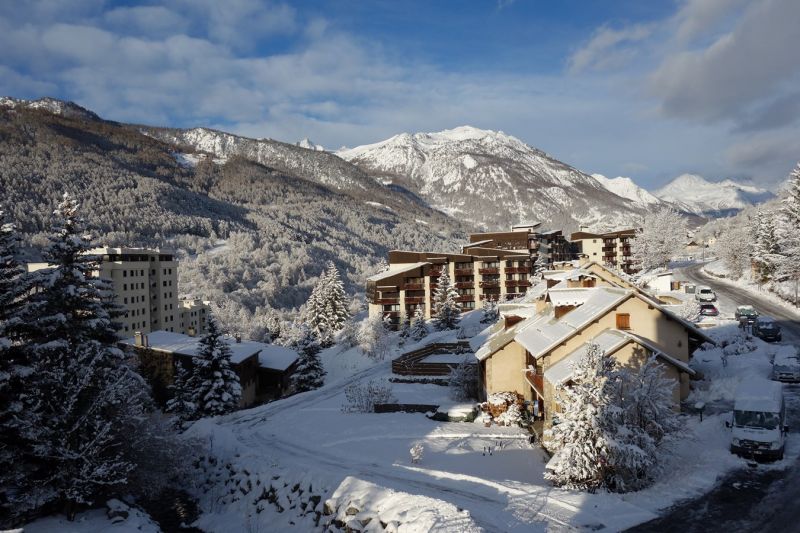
410	364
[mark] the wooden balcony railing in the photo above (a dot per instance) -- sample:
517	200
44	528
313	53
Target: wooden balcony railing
387	301
465	284
489	284
414	300
463	271
413	286
489	270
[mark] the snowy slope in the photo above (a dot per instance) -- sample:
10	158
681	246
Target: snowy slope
52	105
314	165
492	179
626	188
694	194
309	145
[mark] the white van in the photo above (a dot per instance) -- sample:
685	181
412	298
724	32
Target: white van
705	294
758	423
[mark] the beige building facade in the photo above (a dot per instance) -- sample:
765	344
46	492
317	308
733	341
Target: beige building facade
611	248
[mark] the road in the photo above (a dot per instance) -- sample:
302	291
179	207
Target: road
750	499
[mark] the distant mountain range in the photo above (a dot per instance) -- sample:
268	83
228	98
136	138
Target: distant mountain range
693	194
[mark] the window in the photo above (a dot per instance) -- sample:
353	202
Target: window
125	300
124	286
124	273
164	282
623	321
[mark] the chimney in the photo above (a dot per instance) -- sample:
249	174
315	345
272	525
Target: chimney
140	339
561	310
238	339
510	320
191	331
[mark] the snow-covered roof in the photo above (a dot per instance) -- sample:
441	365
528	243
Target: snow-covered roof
478	340
609	341
758	394
533	293
396	269
542	332
569	296
474	244
167	341
555	274
276	357
602	298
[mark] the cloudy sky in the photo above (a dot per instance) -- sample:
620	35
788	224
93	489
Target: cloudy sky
643	89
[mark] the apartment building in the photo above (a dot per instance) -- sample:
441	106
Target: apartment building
479	274
145	283
612	248
543	247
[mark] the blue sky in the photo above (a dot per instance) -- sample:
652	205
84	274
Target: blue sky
649	90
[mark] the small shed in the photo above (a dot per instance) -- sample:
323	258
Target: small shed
275	367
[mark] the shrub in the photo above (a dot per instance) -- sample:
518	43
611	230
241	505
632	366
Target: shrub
361	398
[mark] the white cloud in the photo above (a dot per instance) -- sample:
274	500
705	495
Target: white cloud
608	47
738	69
699	18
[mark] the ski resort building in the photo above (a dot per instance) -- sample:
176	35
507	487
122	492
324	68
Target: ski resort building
478	275
531	350
544	247
263	369
612	248
145	283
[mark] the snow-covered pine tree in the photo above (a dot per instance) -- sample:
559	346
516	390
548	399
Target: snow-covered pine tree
309	373
647	401
582	438
405	330
338	304
789	232
490	311
182	402
15	366
273	325
326	310
446	307
215	386
419	330
766	254
662	235
86	393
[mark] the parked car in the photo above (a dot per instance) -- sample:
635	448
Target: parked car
746	313
708	310
759	418
786	364
766	329
705	294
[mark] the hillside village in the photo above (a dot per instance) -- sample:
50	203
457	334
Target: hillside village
538	270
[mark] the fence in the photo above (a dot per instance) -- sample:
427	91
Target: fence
410	364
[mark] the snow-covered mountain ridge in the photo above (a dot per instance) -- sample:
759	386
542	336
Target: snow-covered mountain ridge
53	105
492	179
695	194
626	188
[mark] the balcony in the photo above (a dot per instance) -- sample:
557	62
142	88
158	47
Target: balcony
465	285
466	298
463	271
493	270
493	296
391	313
435	273
386	301
518	270
413	287
518	283
415	300
489	284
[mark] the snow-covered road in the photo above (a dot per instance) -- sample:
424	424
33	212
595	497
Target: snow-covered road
749	499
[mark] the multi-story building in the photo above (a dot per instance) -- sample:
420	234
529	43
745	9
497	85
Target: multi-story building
543	247
479	274
612	248
145	283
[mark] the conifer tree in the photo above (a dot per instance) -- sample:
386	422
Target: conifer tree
789	265
446	307
309	373
86	393
419	330
766	246
490	311
405	330
181	404
215	386
326	310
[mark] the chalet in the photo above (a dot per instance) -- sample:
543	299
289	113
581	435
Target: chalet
531	353
263	369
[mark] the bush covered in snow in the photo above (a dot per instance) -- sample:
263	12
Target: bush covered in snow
688	310
463	381
362	397
513	416
504	408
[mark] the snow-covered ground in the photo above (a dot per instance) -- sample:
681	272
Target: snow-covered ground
302	462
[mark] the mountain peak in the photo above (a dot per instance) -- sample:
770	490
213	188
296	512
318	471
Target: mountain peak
309	145
53	105
695	194
627	188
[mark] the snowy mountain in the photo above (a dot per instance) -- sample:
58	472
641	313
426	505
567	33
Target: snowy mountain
52	105
309	145
694	194
314	165
492	179
626	188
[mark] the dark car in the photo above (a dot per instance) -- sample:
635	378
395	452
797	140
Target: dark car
709	310
746	314
765	328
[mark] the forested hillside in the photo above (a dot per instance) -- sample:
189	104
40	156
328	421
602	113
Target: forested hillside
246	231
